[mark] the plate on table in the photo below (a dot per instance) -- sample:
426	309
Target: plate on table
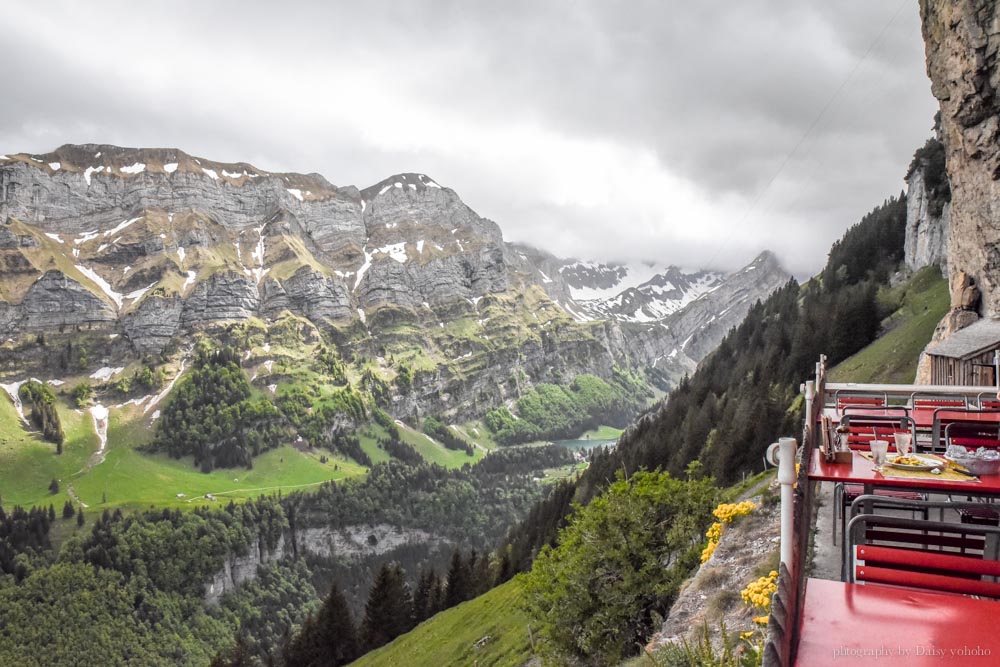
913	462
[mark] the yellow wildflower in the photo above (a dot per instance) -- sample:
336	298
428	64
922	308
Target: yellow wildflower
758	593
725	513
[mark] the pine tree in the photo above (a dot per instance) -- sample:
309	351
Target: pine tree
327	640
79	518
423	599
437	602
237	656
389	610
482	576
457	590
68	510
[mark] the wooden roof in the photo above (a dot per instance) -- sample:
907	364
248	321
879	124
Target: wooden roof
973	340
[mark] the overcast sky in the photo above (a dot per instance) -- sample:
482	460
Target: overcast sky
695	133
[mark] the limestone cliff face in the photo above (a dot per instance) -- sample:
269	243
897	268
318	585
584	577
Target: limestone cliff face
345	543
928	210
139	249
962	42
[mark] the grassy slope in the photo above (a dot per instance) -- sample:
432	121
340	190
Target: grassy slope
448	638
28	464
128	477
893	357
131	478
435	452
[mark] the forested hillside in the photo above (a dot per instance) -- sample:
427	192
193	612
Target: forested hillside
215	417
153	574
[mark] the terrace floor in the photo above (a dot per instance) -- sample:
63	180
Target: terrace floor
826	557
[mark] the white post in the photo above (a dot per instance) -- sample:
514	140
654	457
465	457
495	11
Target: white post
782	454
809	389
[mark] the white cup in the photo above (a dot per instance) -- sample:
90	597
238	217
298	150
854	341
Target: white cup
903	442
880	450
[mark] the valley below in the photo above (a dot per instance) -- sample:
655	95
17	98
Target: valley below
346	378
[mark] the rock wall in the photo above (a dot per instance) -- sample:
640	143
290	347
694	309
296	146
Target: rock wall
154	245
355	541
708	597
470	387
344	543
237	569
926	234
962	40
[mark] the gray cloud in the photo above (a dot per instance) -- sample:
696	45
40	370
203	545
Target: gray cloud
684	132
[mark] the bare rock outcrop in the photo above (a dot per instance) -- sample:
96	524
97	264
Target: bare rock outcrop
928	209
152	325
962	40
745	552
57	301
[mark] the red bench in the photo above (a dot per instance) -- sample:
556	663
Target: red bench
895	550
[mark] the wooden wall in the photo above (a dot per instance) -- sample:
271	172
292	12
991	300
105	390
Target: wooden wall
976	370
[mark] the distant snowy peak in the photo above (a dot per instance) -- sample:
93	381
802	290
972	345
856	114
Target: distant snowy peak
634	292
590	281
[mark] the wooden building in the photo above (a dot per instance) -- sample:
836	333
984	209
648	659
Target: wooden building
967	357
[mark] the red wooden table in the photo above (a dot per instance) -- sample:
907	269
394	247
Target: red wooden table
862	471
871	624
924	417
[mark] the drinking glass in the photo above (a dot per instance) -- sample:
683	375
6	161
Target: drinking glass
903	441
880	450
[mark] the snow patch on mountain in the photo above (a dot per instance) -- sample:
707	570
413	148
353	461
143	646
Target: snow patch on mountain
101	283
12	390
121	226
89	171
136	168
634	292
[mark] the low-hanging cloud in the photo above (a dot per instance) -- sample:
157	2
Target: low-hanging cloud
691	133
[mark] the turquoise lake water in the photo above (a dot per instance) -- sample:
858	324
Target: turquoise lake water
585	445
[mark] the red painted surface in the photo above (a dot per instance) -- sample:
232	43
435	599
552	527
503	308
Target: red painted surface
871	624
924	417
862	471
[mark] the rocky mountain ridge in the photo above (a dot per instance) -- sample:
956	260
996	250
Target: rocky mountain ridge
142	247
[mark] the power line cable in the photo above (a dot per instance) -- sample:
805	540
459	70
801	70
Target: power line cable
812	126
